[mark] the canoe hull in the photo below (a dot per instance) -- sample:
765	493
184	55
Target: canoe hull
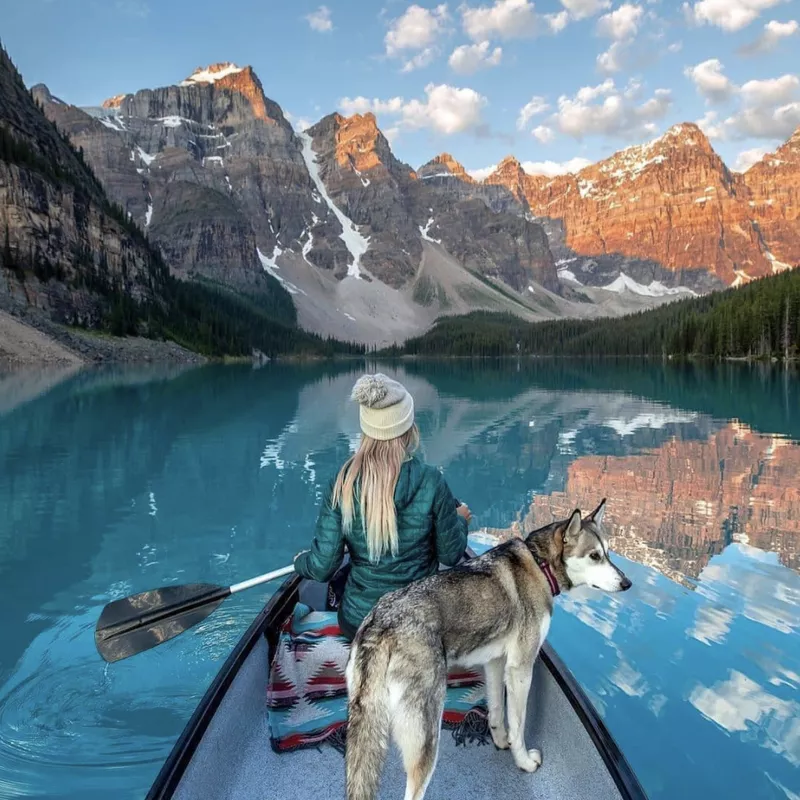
581	759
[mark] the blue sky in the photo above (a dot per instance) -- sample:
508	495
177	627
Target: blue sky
551	81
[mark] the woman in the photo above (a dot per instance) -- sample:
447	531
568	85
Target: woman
395	514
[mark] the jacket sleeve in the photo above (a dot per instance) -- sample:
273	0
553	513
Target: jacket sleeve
451	528
327	550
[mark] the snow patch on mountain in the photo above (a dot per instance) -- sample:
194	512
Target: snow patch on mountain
356	243
114	123
425	235
271	266
568	275
146	157
211	74
654	289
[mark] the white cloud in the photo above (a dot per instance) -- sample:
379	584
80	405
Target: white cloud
774	33
392	134
482	173
606	110
621	23
469	58
588	93
773	91
675	47
710	81
553	168
612	59
547	168
760	123
740	705
712	624
536	105
320	20
506	19
445	109
417	29
581	9
711	126
421	59
360	105
557	22
747	158
768	109
544	134
730	15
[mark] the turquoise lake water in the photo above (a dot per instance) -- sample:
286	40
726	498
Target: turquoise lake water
118	481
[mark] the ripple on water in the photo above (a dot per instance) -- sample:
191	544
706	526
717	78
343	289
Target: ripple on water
64	712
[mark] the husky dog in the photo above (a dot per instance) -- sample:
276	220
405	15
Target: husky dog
493	611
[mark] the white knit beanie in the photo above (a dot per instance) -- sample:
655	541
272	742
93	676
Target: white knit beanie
386	409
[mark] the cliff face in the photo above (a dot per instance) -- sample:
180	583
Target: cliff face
669	210
684	502
64	248
210	168
364	179
398	208
774	185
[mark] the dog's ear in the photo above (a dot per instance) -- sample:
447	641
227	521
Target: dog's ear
597	515
573	527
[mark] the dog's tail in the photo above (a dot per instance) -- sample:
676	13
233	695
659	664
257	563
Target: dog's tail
368	723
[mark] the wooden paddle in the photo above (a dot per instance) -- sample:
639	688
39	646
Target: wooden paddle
143	621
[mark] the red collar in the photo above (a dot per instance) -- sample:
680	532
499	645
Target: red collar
544	566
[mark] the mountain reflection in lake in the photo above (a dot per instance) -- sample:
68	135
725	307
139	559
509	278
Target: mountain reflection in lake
117	481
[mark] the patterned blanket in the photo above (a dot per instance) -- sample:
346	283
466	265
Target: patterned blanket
307	694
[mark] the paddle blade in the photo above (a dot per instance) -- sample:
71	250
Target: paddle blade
143	621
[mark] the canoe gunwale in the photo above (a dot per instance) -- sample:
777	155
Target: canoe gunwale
268	622
276	610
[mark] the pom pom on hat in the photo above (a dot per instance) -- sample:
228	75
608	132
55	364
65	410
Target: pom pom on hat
370	390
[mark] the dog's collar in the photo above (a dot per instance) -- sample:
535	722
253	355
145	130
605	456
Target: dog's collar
544	566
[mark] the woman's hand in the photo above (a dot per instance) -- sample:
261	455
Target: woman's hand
463	511
297	555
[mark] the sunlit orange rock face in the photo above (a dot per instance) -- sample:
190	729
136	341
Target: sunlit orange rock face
677	506
774	184
114	102
446	164
361	146
247	84
671	201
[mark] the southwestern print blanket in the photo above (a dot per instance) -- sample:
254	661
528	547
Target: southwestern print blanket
307	693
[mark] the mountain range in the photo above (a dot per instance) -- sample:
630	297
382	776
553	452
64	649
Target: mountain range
370	249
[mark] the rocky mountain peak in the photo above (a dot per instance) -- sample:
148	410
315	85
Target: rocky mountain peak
226	75
444	165
773	185
359	143
509	173
41	94
212	73
114	102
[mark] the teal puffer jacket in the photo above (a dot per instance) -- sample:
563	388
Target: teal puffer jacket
429	531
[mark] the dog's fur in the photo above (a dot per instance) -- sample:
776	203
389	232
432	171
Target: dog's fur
493	611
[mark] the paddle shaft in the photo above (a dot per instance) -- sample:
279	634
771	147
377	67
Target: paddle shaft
266	577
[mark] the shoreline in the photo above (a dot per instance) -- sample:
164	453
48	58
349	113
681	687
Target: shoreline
31	339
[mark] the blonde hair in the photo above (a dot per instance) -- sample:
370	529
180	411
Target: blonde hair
377	463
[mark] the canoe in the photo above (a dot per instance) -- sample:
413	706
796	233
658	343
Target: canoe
224	751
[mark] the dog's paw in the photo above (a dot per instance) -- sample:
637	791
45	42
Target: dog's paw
529	761
499	737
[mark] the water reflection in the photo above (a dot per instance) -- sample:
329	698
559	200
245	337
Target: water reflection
116	482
